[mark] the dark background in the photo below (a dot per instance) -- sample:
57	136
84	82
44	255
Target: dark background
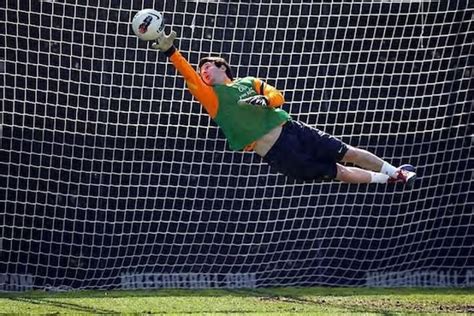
109	166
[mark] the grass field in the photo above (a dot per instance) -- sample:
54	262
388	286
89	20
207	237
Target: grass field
281	301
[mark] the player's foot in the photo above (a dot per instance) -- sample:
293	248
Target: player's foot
407	167
405	175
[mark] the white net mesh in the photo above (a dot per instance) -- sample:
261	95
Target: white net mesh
112	176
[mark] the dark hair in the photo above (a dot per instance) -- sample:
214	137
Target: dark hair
218	61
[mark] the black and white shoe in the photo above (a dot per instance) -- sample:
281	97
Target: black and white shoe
406	175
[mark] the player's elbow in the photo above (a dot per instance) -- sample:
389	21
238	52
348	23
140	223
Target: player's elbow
277	100
281	99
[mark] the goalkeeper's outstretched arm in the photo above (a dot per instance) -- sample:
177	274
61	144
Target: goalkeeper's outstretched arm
201	91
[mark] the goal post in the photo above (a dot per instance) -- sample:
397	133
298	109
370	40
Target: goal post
113	176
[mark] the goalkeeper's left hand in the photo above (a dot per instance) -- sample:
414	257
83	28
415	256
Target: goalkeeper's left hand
164	42
258	100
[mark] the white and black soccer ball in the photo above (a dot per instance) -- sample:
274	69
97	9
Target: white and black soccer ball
147	24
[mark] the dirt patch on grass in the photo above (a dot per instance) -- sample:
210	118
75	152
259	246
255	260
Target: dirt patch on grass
379	305
356	304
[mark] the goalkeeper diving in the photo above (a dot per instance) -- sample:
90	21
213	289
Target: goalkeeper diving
249	113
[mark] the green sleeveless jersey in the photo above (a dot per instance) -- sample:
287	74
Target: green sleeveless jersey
244	124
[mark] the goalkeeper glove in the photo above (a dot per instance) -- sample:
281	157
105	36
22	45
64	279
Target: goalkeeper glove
258	100
164	43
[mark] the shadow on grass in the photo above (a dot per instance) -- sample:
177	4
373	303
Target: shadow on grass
57	299
42	301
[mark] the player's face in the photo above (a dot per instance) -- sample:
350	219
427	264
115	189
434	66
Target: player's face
211	74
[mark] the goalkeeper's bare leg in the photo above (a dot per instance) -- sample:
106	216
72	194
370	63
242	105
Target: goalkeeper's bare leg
368	161
358	175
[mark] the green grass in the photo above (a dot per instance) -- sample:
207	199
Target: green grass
281	301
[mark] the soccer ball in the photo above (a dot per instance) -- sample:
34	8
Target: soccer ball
147	24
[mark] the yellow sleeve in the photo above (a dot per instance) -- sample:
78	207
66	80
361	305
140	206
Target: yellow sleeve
202	92
274	96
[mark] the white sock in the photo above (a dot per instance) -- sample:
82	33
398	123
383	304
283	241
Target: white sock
377	177
388	169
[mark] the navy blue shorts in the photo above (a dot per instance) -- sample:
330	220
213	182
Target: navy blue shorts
305	153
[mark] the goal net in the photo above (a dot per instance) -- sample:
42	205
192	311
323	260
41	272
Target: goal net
113	176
